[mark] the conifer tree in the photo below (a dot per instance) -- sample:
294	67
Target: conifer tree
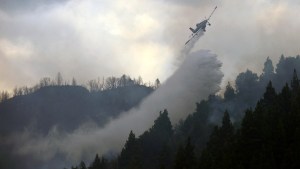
185	156
179	158
219	152
162	125
190	159
229	92
268	70
270	94
96	163
82	165
130	154
295	81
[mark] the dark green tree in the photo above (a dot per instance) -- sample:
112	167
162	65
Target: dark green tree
270	94
82	165
155	142
295	81
219	152
96	164
268	70
165	157
190	158
130	157
247	87
179	158
162	126
229	92
246	82
185	156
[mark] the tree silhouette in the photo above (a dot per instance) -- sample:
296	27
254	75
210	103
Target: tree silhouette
218	152
111	83
185	156
270	94
157	83
59	79
82	165
229	92
46	81
74	82
96	164
130	154
295	81
268	70
4	96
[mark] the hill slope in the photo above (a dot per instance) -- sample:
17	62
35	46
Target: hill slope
67	107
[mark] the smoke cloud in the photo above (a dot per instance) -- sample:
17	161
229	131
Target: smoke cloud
198	76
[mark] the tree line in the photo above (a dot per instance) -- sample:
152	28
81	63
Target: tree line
95	85
249	87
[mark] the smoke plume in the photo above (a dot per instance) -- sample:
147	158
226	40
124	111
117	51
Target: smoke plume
198	76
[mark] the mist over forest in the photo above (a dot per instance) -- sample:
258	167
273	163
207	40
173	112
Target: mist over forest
253	125
53	108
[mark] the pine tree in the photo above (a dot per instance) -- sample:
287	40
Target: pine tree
268	70
82	165
285	99
179	158
270	94
165	157
185	156
155	140
219	151
162	125
103	163
130	154
96	163
229	92
295	82
190	159
130	141
227	127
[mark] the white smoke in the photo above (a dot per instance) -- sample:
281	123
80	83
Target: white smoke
198	76
188	47
191	43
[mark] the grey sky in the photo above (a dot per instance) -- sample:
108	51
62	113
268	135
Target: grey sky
91	38
19	6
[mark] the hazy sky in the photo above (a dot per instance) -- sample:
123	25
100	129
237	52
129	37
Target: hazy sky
87	39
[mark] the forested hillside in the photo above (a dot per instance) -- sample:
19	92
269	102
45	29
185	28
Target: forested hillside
63	107
68	106
269	135
255	125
